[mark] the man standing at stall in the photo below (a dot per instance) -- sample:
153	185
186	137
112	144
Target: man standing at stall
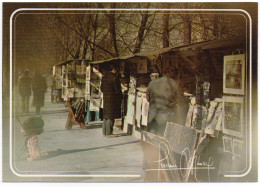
112	96
165	99
25	90
39	87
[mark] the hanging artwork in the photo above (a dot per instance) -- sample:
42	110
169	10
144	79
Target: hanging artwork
227	144
94	105
145	109
190	113
87	87
102	100
70	93
232	119
130	109
212	117
142	66
138	112
88	72
95	83
234	74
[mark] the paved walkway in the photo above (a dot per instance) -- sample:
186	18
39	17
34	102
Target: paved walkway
79	155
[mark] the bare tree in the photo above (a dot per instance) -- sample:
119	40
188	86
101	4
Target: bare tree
165	34
142	27
111	26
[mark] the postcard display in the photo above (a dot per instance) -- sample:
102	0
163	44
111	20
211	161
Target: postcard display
233	113
137	105
217	128
73	80
223	118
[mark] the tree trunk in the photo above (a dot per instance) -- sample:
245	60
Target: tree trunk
141	30
187	30
112	28
78	46
85	48
215	26
94	27
165	36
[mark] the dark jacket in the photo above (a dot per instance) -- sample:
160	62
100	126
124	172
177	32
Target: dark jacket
164	96
112	96
39	87
25	86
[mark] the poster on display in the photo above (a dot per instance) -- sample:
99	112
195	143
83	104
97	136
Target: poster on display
232	119
87	87
70	93
94	105
234	74
130	109
145	109
95	84
138	112
88	72
142	66
213	117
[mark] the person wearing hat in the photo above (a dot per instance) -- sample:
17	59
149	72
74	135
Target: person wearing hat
164	96
24	89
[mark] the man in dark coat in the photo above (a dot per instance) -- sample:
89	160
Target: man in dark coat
25	90
39	87
112	96
165	98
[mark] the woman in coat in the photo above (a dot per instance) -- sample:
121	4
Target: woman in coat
112	96
39	87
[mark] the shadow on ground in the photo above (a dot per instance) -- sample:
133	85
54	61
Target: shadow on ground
58	152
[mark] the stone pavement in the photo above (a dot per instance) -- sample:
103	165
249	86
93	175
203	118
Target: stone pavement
75	155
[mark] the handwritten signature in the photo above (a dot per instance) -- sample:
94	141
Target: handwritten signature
192	163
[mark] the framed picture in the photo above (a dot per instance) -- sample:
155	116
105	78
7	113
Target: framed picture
227	144
233	115
88	72
237	147
234	74
142	66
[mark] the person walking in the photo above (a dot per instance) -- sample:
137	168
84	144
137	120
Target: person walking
165	99
53	82
39	87
112	96
24	88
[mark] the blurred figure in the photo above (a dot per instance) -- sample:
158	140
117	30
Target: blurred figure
52	87
112	96
39	87
25	90
165	97
57	89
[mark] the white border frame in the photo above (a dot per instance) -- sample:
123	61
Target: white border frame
227	60
233	99
244	13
